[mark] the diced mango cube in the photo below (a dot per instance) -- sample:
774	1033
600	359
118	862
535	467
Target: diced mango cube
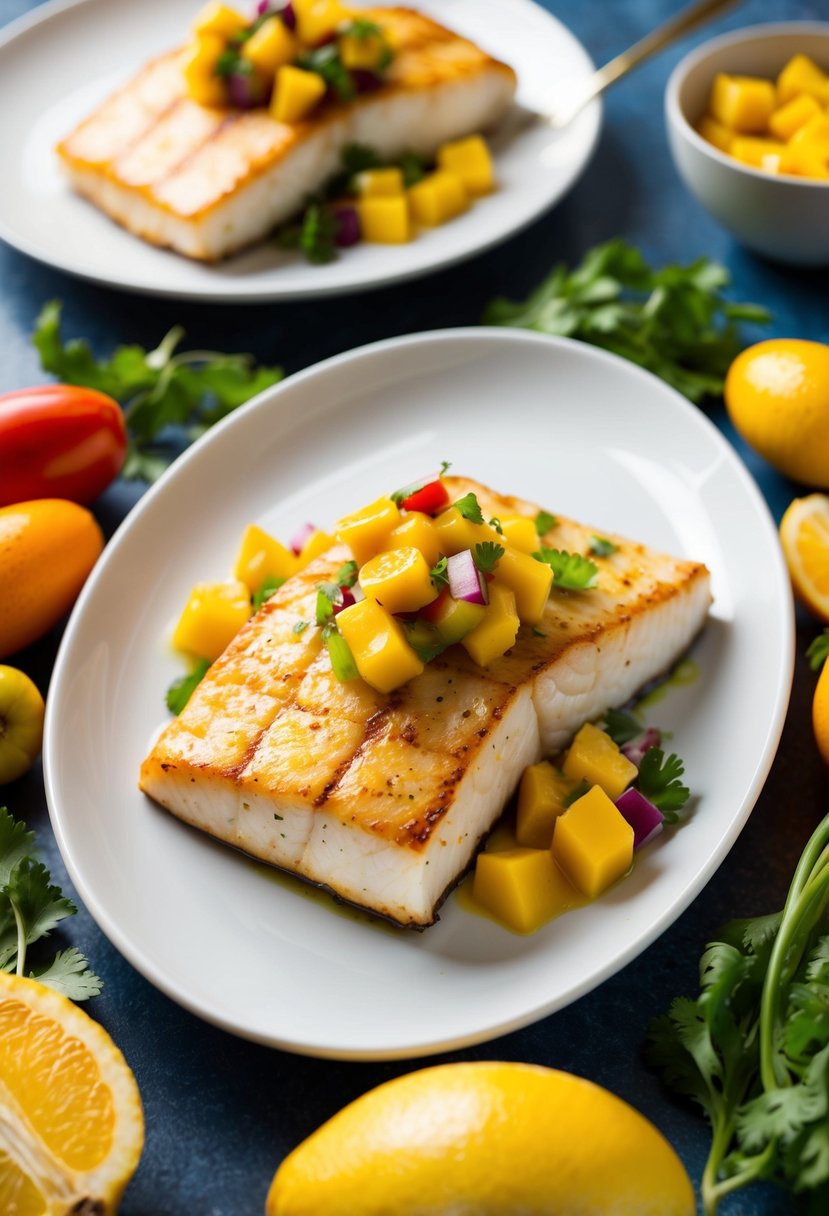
398	579
316	19
198	66
368	53
786	121
468	159
759	153
385	220
416	529
366	531
437	197
260	557
453	619
271	46
380	183
497	630
212	616
594	757
456	532
528	579
802	75
520	533
220	19
521	887
384	658
593	843
296	92
318	542
814	134
804	161
718	135
542	797
744	103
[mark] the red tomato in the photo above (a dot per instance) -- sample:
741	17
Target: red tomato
59	441
429	498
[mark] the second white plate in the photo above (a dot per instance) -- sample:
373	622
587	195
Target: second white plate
57	65
570	427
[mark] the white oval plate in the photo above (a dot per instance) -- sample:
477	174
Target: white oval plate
56	66
576	430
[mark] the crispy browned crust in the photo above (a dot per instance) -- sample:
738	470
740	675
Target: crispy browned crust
128	139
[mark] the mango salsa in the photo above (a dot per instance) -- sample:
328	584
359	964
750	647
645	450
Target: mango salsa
380	183
366	531
542	797
469	159
520	533
200	59
271	47
385	220
453	619
497	630
398	579
521	887
316	19
593	843
219	19
317	543
212	616
295	93
262	557
594	757
384	658
363	54
789	118
802	75
456	532
416	529
529	580
439	197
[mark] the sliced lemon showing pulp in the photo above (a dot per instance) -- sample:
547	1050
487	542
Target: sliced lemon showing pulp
804	534
71	1124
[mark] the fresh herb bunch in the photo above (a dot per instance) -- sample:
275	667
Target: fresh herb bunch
30	908
162	392
753	1049
675	321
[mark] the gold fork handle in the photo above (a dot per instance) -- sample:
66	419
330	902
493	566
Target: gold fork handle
682	23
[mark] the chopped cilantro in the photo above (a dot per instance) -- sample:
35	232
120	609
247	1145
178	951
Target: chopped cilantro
622	727
346	576
580	790
328	594
182	689
470	508
571	571
326	62
300	627
545	522
487	555
317	234
496	524
659	780
601	547
271	584
438	574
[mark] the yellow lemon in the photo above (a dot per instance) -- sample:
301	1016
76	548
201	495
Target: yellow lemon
820	713
484	1139
71	1114
21	723
804	535
777	395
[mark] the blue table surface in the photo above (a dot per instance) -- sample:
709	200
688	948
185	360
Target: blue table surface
221	1113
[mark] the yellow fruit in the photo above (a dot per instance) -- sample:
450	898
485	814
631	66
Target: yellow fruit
21	723
493	1139
820	713
804	535
47	549
777	394
69	1105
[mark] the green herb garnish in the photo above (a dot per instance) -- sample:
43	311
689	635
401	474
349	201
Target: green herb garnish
753	1048
659	780
439	574
675	322
622	727
486	555
30	908
317	234
497	525
328	594
571	571
339	652
545	522
445	466
346	576
414	168
300	627
601	547
326	62
182	689
270	585
470	508
818	651
167	397
579	791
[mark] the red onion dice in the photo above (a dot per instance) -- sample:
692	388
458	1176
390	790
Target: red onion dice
645	819
465	581
348	600
637	747
302	537
245	90
348	230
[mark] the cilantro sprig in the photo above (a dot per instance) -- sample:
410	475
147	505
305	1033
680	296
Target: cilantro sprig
600	546
571	571
439	574
169	396
675	321
470	508
31	906
486	555
545	522
660	781
182	689
753	1048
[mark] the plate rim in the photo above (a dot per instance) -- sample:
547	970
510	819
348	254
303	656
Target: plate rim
249	290
426	1046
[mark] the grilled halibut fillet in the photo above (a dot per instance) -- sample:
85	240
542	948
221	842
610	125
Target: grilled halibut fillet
207	182
384	799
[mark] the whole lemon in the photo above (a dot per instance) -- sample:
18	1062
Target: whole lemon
777	395
820	713
47	548
21	723
484	1139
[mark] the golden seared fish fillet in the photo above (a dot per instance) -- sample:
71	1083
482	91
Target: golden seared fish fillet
384	799
207	182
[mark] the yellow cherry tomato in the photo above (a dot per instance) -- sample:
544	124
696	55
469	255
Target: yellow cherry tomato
777	395
21	724
47	549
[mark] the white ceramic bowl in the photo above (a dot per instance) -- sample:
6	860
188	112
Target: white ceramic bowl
783	217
